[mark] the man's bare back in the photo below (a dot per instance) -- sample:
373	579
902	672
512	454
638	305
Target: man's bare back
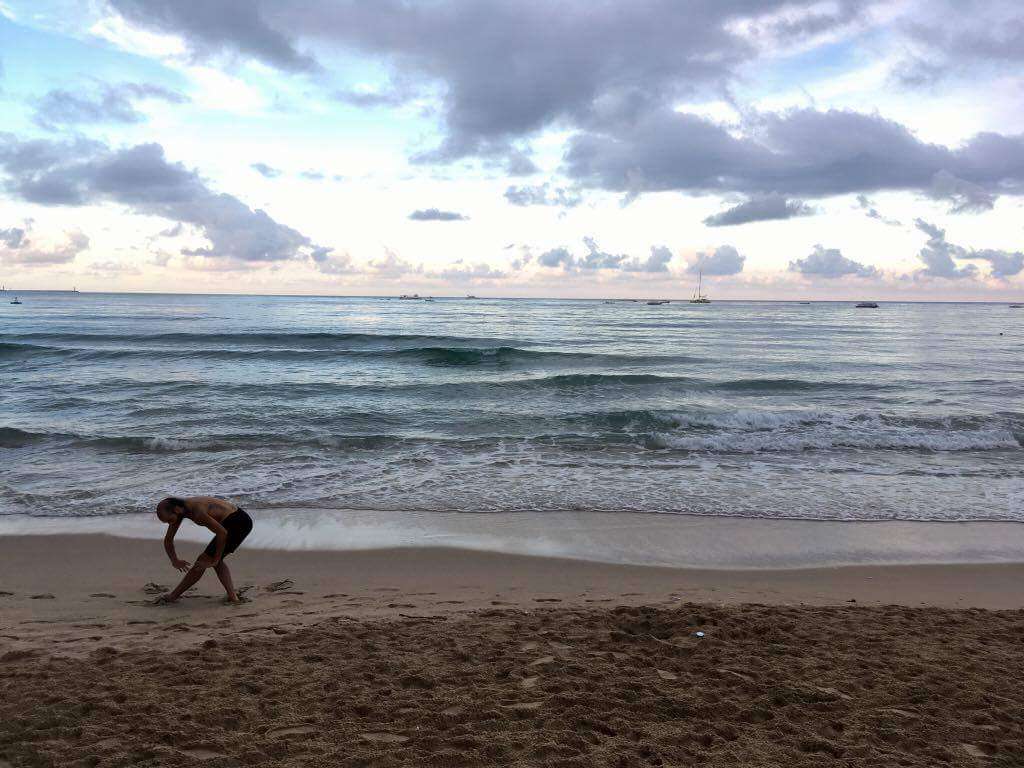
216	508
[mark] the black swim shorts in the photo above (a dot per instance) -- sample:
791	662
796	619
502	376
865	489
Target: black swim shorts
238	525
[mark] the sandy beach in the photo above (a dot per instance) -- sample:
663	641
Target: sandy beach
442	656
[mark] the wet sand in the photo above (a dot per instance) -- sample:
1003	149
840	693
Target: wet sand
452	657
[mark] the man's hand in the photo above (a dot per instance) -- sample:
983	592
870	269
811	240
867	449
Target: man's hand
181	565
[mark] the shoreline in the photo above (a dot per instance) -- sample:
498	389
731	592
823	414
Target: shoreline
444	656
56	590
619	538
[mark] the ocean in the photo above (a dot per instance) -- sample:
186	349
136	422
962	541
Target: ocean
912	411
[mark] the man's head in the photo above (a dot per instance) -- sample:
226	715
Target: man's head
169	510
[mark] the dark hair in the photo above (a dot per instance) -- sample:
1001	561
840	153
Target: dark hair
173	502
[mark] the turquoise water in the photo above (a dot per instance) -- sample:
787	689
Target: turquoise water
909	411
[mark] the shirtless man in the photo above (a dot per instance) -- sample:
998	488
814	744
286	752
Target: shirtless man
230	526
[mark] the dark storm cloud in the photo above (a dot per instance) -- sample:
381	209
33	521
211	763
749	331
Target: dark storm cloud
767	208
508	68
433	214
798	153
265	170
830	263
964	197
939	257
724	260
209	28
141	178
108	103
543	194
957	37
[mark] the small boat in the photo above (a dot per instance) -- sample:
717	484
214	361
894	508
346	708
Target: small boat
867	305
658	302
1017	306
16	300
407	297
803	302
470	296
698	297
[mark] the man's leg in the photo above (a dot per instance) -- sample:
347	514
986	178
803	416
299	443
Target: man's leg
224	574
194	574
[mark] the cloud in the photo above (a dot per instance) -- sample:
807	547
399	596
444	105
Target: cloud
543	194
767	208
312	175
476	272
433	214
724	260
265	170
868	206
939	257
82	172
233	26
596	259
332	265
802	153
13	238
830	263
657	262
61	108
508	69
964	196
23	253
957	38
393	266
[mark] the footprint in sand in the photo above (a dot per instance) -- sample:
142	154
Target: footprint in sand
666	675
529	646
547	600
295	730
43	596
527	706
5	594
202	753
980	751
280	586
542	661
152	588
102	594
529	682
384	738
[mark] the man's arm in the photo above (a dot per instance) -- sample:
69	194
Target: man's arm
172	529
218	530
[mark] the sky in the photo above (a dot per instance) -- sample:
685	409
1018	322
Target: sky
778	149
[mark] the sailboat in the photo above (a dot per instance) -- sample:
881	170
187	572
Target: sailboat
698	297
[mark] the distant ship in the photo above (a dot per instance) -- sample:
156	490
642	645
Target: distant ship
698	297
1017	306
16	300
867	305
470	296
658	302
414	297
